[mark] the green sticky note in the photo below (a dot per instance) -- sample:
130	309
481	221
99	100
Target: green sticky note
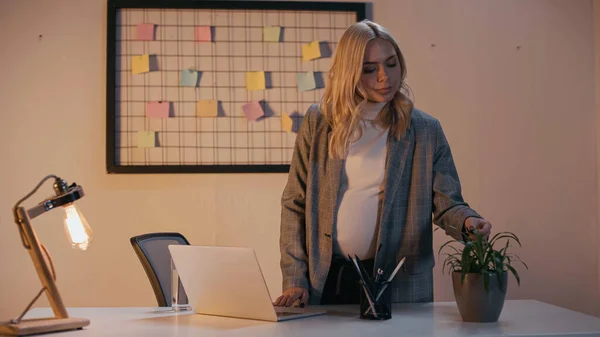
188	78
271	33
146	139
306	81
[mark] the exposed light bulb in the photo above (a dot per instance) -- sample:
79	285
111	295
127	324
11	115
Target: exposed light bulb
77	228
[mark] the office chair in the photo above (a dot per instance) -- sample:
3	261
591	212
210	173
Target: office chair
153	252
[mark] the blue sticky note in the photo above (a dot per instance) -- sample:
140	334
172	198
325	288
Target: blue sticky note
189	78
306	81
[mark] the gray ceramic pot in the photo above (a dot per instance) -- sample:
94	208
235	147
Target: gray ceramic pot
475	304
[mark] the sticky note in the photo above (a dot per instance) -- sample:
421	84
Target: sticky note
188	78
306	81
286	123
146	139
140	64
255	80
252	110
157	109
206	108
311	51
271	33
145	32
202	34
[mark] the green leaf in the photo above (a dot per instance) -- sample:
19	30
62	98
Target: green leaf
466	261
505	249
451	260
499	274
444	265
503	235
510	260
498	263
514	273
479	251
466	257
486	280
519	260
456	251
447	244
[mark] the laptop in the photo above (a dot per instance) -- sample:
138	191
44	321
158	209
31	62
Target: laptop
228	281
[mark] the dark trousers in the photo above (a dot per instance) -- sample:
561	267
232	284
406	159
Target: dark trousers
342	285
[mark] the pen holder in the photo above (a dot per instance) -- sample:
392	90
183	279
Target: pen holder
382	305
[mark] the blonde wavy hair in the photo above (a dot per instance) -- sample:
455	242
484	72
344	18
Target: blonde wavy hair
344	97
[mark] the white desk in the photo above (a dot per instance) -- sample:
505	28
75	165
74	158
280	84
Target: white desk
519	318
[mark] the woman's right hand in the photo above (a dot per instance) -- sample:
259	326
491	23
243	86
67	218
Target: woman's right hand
291	295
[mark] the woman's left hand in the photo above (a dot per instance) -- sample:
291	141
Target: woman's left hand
481	226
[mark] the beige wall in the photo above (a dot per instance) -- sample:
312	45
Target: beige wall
521	122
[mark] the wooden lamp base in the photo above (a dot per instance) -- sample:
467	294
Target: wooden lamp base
42	325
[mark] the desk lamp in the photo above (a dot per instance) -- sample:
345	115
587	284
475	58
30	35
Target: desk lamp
80	234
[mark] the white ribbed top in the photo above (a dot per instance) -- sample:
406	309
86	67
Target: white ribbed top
361	189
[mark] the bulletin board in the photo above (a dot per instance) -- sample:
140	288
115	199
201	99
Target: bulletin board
215	86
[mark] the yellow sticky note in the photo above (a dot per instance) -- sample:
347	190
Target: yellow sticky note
140	64
286	123
206	108
255	80
271	33
311	51
146	139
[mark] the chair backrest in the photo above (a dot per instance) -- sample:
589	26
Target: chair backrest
153	252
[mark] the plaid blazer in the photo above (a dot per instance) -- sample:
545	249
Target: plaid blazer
421	187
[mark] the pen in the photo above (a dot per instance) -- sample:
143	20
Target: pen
377	281
378	276
371	304
368	293
362	268
390	278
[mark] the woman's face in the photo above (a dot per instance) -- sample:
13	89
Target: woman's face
381	76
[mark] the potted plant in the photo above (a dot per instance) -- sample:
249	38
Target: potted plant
479	274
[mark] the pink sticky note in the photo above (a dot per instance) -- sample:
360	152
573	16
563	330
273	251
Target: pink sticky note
157	109
202	34
253	110
145	31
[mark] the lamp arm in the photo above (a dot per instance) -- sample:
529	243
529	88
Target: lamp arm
37	210
41	259
16	214
34	190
